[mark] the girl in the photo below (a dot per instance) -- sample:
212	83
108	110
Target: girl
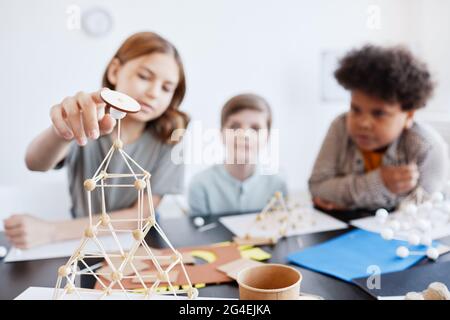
236	186
149	69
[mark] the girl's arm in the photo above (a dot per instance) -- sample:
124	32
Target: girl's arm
46	151
25	231
76	118
73	229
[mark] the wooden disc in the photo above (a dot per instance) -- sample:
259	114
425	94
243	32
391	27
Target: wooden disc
120	101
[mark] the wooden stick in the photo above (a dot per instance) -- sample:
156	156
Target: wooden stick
122	175
119	185
111	150
132	160
93	273
90	207
113	232
103	197
150	198
128	165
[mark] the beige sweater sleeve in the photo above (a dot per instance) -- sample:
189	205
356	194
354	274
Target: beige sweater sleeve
349	190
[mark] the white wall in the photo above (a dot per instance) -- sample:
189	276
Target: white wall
228	46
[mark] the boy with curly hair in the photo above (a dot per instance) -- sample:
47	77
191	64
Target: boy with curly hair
376	154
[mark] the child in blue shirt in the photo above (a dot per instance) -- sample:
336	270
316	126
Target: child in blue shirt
237	186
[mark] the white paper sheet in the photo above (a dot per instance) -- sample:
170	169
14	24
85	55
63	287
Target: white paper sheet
391	297
373	225
41	293
240	225
67	248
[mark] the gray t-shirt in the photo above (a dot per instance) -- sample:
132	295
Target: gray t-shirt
150	153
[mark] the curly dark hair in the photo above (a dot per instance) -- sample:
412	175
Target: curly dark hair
392	74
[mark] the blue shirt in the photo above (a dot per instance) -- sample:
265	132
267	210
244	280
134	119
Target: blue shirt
215	191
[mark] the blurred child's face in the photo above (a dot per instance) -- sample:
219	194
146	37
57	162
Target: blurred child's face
374	124
244	134
150	79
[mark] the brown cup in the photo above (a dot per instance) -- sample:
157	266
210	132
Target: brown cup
269	282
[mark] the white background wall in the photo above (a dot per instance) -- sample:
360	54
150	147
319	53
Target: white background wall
228	46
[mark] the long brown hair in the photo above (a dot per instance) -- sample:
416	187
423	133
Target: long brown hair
143	43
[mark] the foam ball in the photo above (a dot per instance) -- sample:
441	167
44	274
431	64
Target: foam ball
411	209
402	252
394	225
3	251
387	234
437	197
405	225
424	224
199	221
426	241
432	253
426	206
413	239
382	215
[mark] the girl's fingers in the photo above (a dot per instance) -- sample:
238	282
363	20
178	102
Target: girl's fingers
14	232
19	243
60	125
107	124
12	222
74	119
89	115
96	96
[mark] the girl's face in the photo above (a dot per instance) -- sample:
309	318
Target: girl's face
150	79
373	124
244	134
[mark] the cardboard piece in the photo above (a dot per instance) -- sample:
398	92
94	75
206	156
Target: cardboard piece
149	277
206	273
256	254
128	270
232	268
255	241
164	262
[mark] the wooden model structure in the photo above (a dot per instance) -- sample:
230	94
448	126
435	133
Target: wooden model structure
278	216
120	105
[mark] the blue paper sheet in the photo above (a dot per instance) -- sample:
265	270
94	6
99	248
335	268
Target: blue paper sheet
349	256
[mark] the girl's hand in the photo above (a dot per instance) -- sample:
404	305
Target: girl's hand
81	116
24	231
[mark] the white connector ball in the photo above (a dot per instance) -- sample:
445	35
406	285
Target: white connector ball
394	225
387	234
426	241
437	197
199	221
426	206
410	209
424	224
3	252
432	253
382	215
402	252
413	239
